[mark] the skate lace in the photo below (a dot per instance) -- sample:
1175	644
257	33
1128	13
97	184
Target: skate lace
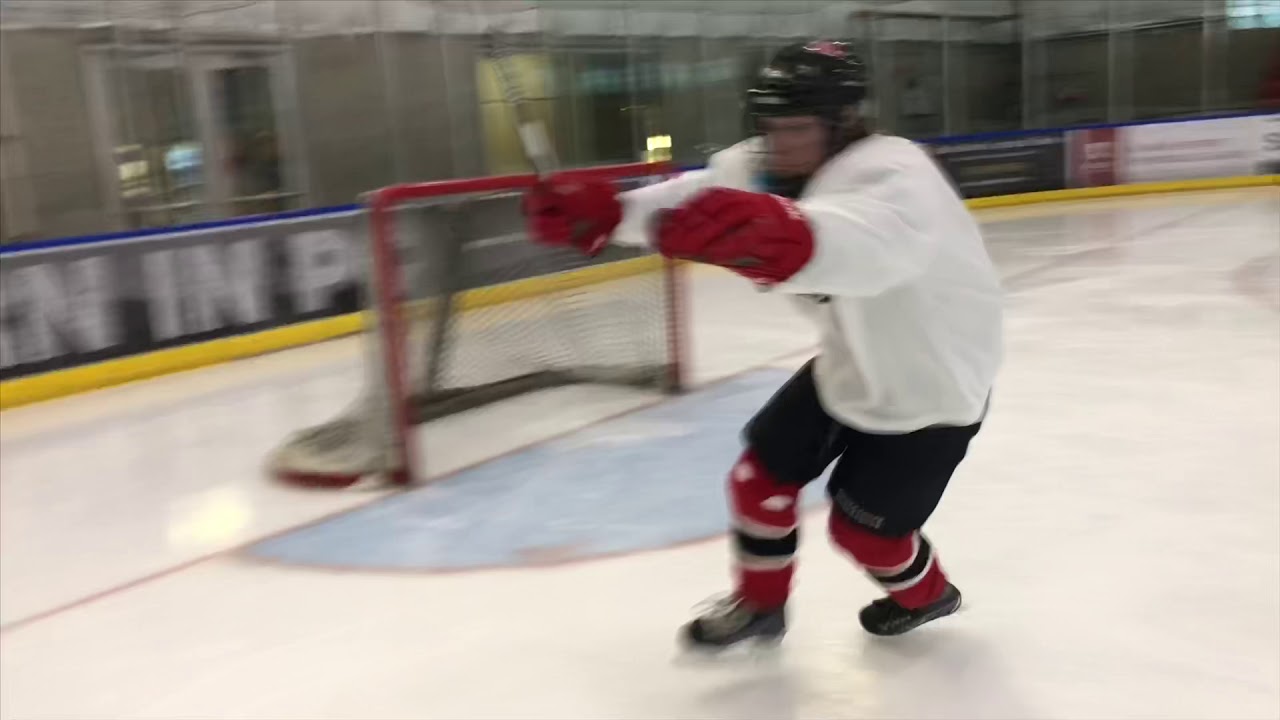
893	614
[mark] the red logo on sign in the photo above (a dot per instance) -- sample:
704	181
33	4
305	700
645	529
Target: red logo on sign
1095	157
827	47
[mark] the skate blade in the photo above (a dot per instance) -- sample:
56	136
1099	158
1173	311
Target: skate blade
758	650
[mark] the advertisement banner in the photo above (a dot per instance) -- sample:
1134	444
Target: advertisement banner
1093	157
66	306
1223	147
1026	163
79	304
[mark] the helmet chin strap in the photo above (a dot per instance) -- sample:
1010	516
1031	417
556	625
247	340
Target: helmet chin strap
845	133
840	136
787	186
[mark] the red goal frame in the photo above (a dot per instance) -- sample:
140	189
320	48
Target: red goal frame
388	294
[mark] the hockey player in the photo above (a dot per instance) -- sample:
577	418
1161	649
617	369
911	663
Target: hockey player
871	241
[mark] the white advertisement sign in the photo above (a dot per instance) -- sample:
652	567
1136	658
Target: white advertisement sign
1188	150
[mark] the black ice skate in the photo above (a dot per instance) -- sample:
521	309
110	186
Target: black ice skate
730	621
886	617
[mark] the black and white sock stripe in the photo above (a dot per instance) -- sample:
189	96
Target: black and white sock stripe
765	553
759	545
911	571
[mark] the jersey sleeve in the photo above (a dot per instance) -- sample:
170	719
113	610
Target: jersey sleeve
639	206
870	239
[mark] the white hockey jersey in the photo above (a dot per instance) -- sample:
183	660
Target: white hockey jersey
906	300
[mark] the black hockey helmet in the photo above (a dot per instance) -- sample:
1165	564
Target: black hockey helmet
820	77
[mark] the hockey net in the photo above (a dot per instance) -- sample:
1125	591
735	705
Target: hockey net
464	311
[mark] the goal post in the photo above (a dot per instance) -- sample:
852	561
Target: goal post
463	310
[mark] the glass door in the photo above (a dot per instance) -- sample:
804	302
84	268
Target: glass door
242	103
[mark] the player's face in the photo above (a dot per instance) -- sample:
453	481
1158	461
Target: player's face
797	145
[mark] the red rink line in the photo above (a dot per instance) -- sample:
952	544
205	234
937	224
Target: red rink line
43	615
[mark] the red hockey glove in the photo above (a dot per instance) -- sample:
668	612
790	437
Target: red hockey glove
578	213
760	236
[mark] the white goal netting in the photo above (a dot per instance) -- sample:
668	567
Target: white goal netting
481	314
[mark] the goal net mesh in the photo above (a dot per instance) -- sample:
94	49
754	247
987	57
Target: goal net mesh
483	314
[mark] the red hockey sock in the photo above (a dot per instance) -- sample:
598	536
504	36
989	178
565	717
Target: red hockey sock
905	567
764	533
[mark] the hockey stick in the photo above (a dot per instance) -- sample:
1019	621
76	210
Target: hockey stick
534	141
537	150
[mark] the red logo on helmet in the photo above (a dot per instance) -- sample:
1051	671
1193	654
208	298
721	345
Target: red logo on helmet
827	47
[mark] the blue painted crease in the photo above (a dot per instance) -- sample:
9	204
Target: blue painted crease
648	480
